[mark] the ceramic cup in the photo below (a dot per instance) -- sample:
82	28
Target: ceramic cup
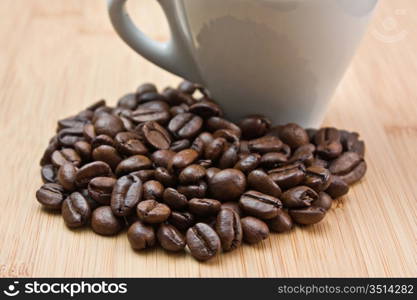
280	58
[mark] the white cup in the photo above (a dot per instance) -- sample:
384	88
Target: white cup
280	58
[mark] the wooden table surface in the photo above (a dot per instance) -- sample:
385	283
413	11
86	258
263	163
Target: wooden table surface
57	57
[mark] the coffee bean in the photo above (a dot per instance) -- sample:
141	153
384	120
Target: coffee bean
328	143
248	163
132	164
254	126
156	135
72	122
337	188
151	211
281	223
141	236
307	216
91	170
109	125
174	199
144	175
273	160
48	173
203	242
150	96
229	135
178	109
206	109
294	135
349	166
69	136
64	156
162	158
181	220
127	192
320	162
104	222
83	148
351	142
170	238
128	101
260	205
233	205
185	125
303	154
66	176
89	132
197	190
288	176
192	174
318	178
75	210
146	88
210	172
129	143
229	157
100	189
102	139
152	189
107	154
183	159
228	184
261	182
324	201
254	230
298	197
229	229
157	111
52	147
180	145
204	207
265	144
50	195
165	177
187	87
201	141
216	123
214	149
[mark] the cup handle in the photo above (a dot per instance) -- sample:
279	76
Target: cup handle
174	55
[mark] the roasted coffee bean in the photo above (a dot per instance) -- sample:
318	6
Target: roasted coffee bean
150	96
288	176
233	205
192	174
170	238
273	160
320	162
307	216
157	111
89	132
229	135
175	97
204	207
165	177
298	197
187	87
214	149
228	184
102	139
174	199
206	109
156	135
229	157
261	182
141	236
151	211
109	125
229	229
52	147
181	220
128	101
216	123
265	144
129	143
254	126
146	88
96	105
202	141
254	230
132	164
107	154
90	171
281	223
324	201
75	210
50	195
318	178
64	156
248	163
244	148
328	142
203	242
152	190
161	158
260	205
180	145
205	163
100	189
197	190
293	135
48	173
338	187
144	175
185	125
69	136
72	122
83	148
178	109
104	222
349	166
183	159
127	192
303	154
66	176
91	202
351	142
210	172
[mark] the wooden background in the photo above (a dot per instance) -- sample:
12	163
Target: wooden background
57	57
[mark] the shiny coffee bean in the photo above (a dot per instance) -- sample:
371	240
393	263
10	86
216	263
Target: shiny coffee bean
102	139
48	173
144	175
157	111
89	132
201	141
233	205
303	154
104	222
197	190
318	178
288	176
227	184
229	157
192	174
170	238
187	87
127	192
298	197
90	171
254	126
204	207
206	109
101	188
254	230
83	148
215	123
162	158
229	229
293	135
337	188
324	201
229	135
181	220
210	172
281	223
73	122
178	109
165	177
203	242
128	101
129	143
320	162
133	164
75	210
261	182
146	88
151	211
328	143
109	125
141	236
50	195
52	147
183	159
64	156
107	154
307	216
152	190
260	205
150	96
156	135
66	176
351	142
185	125
248	163
215	149
205	163
180	145
349	166
265	144
69	136
174	199
273	160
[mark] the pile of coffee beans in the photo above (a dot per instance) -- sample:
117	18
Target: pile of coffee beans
169	167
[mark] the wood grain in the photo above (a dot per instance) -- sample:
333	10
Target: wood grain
57	57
